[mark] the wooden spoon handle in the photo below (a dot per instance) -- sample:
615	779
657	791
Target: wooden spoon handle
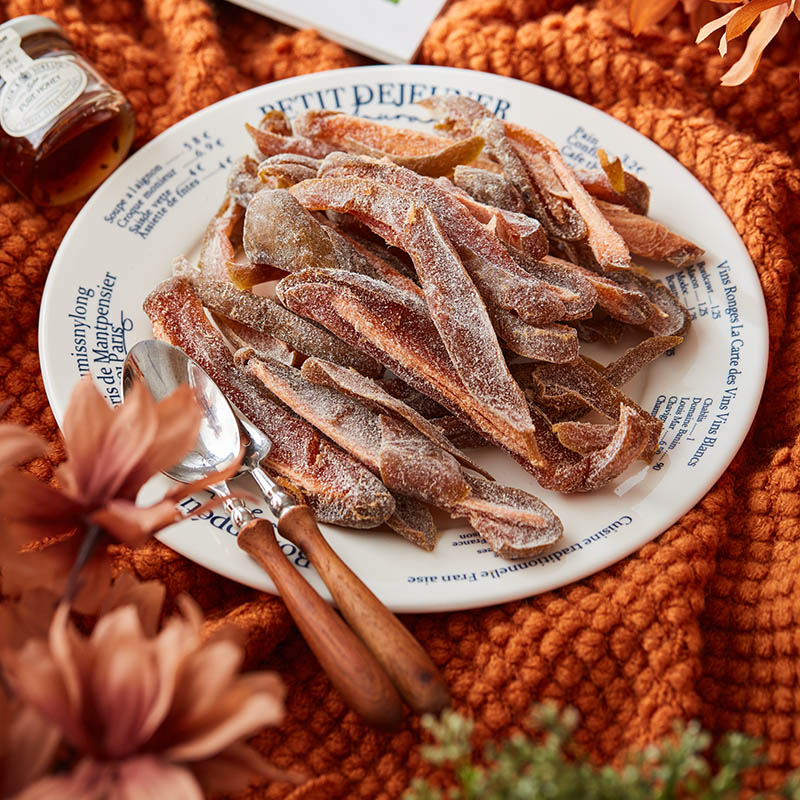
350	666
399	653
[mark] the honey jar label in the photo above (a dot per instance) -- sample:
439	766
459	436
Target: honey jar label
36	91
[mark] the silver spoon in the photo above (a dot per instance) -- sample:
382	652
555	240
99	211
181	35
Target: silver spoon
402	657
351	667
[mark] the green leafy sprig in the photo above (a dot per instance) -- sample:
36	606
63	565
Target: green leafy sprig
552	766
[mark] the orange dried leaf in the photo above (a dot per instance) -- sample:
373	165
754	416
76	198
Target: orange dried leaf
746	16
644	13
614	170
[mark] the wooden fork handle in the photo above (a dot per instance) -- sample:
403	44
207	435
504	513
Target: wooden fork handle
399	653
351	668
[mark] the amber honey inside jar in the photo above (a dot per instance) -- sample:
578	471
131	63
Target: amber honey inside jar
63	129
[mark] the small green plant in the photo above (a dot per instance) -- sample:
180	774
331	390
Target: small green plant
552	767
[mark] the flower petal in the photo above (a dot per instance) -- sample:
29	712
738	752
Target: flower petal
125	680
118	442
146	596
88	781
239	715
18	444
150	778
36	678
644	13
179	417
714	25
235	767
746	15
22	497
769	24
30	743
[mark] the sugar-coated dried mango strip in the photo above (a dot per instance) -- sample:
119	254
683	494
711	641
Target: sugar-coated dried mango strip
275	121
553	343
600	395
395	328
636	195
422	152
421	403
269	144
243	180
281	233
413	521
500	280
631	440
263	344
647	238
454	304
269	317
667	315
414	465
278	231
534	179
286	169
454	117
489	188
606	244
559	219
216	249
518	231
338	488
584	437
514	523
458	432
627	304
406	461
574	287
370	392
622	369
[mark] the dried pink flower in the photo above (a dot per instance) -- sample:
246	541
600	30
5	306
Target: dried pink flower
111	453
152	716
27	745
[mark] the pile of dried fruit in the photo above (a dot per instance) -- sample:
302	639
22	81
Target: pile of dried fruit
469	265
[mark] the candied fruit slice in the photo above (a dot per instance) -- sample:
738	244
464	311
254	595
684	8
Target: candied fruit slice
413	521
422	152
267	316
514	523
394	327
606	244
369	392
454	303
240	335
405	460
338	488
489	188
647	238
636	196
500	280
269	144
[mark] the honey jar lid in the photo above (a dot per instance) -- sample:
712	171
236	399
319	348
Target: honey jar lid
30	24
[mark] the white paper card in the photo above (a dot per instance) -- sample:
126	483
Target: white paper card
386	30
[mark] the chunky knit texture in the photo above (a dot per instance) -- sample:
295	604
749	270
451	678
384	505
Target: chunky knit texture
702	623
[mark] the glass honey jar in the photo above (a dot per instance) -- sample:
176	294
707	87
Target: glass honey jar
63	129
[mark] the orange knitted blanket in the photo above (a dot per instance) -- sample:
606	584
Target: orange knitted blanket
702	623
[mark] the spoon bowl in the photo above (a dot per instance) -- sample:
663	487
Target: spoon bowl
163	368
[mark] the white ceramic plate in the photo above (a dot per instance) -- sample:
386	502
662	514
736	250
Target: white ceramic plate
156	205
